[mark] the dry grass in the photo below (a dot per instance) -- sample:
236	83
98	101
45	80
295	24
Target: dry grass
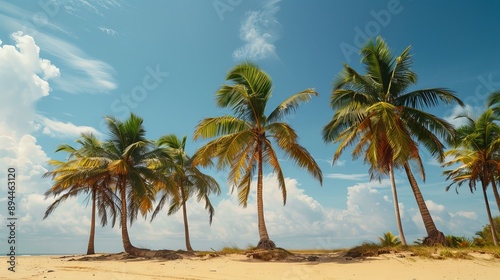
368	249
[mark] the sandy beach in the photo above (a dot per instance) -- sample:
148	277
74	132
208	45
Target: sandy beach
239	266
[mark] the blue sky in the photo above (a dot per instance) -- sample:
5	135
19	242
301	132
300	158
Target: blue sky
64	64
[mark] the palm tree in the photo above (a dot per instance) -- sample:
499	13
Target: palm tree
134	162
189	181
84	172
475	148
387	123
243	140
494	104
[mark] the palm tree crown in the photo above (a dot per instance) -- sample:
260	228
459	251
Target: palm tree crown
84	172
385	123
189	181
475	149
243	140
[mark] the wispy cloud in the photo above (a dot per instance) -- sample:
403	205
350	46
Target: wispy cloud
58	129
80	72
75	7
108	31
352	177
259	32
83	74
453	116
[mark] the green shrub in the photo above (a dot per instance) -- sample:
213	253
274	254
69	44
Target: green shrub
389	239
458	241
485	233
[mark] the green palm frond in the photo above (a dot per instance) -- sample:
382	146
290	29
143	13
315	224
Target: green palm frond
213	127
291	104
241	137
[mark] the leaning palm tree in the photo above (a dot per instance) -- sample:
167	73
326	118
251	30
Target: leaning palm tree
385	123
84	173
243	141
475	149
494	104
189	181
134	163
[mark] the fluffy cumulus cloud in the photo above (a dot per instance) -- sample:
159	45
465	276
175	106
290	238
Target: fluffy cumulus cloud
82	73
259	32
26	79
302	223
461	223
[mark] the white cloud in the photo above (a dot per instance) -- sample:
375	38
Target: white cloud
108	31
258	31
56	128
25	80
76	7
81	72
434	207
466	214
461	223
452	117
339	162
353	177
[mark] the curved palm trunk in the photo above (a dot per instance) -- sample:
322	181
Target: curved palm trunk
495	193
490	219
90	248
434	236
396	206
127	245
184	215
264	242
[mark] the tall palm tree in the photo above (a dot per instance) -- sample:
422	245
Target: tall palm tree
386	123
134	163
243	140
475	149
189	181
84	172
494	104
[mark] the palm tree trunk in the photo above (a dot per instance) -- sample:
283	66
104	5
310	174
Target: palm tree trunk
495	193
490	219
396	205
90	248
127	245
184	215
434	236
264	242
